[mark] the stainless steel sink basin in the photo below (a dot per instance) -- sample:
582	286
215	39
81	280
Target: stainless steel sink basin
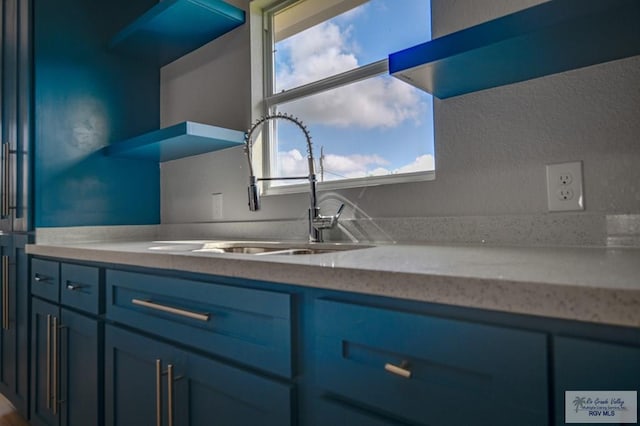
263	248
258	248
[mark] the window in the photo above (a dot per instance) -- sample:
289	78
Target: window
326	63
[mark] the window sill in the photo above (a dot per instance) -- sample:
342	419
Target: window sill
352	183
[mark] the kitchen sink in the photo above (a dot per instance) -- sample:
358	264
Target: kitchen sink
257	248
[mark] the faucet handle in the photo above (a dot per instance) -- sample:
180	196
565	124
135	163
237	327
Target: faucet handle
327	222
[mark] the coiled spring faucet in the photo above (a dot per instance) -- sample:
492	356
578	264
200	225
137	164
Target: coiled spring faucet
317	222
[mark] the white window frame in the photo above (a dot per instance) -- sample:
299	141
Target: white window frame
271	99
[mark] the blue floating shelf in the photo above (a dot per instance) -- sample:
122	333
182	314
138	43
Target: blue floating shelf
552	37
178	141
173	28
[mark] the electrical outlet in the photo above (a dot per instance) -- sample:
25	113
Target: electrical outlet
564	186
216	204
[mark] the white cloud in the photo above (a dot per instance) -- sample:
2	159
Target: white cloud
325	50
422	163
346	164
319	52
294	163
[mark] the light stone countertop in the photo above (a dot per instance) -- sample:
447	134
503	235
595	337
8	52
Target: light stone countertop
600	285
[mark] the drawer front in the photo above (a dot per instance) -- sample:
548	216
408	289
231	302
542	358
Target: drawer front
80	287
431	370
248	326
45	279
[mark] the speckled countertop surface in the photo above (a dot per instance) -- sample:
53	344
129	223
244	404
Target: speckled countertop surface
600	285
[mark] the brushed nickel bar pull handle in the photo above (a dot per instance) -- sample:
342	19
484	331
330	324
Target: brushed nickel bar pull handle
74	286
55	366
5	292
176	311
170	393
6	175
158	392
401	370
48	396
41	278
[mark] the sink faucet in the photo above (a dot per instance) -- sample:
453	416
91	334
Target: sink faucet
317	222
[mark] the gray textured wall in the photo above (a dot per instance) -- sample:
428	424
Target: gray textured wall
491	146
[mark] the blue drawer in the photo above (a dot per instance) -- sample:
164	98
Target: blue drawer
80	287
45	279
247	326
431	370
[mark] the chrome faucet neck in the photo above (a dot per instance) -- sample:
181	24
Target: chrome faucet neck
317	222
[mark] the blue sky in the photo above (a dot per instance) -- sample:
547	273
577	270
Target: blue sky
374	127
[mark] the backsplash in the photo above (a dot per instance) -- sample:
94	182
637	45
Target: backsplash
521	230
518	230
87	234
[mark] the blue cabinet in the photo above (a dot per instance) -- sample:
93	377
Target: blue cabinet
15	113
151	382
14	319
207	350
134	381
428	370
66	345
174	374
247	326
15	207
589	365
65	376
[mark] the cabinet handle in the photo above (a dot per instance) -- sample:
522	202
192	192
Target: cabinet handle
5	292
170	393
55	365
41	278
48	396
6	175
401	370
74	286
176	311
158	392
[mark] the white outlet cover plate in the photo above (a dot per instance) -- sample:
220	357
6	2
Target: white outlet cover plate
556	188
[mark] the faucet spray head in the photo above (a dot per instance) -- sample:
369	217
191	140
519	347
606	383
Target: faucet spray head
254	195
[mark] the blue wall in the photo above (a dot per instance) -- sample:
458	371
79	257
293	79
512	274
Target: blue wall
87	97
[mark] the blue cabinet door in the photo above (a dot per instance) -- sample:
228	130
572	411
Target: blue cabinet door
8	337
14	319
133	378
42	363
9	108
80	388
585	365
147	379
15	106
66	382
213	393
